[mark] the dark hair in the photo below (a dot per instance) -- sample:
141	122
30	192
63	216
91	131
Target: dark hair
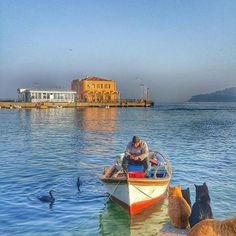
136	139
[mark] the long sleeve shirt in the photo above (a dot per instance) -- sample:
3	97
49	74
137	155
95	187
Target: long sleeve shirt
141	151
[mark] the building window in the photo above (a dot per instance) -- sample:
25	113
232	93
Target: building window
39	96
108	98
91	86
61	96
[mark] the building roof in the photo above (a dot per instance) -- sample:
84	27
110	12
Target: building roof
94	78
45	90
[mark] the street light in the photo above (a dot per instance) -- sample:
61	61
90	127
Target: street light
148	94
142	85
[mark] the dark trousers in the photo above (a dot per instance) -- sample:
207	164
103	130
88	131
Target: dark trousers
127	161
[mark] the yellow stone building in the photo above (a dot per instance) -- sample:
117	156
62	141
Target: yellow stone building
94	89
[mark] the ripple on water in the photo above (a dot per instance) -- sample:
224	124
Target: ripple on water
43	150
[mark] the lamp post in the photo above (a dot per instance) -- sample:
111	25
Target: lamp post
148	97
143	88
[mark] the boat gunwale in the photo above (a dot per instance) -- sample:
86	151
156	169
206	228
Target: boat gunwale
144	181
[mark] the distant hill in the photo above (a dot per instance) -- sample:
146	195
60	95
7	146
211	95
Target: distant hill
226	95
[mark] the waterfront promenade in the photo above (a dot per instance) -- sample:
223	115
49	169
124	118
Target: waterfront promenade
118	103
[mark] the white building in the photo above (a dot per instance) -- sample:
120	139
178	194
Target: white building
41	95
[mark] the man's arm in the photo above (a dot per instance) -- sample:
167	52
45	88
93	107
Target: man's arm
145	152
128	150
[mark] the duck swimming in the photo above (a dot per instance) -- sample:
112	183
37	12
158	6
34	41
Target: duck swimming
49	198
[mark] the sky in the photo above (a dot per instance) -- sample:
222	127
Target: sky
175	48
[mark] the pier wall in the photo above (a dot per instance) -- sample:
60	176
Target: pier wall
119	103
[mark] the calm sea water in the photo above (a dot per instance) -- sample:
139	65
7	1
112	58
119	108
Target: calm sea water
48	149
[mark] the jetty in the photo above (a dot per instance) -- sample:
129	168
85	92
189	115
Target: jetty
117	103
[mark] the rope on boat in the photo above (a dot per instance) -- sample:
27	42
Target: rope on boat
110	195
167	162
85	221
169	172
141	191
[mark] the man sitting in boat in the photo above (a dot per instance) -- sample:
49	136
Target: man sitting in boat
136	153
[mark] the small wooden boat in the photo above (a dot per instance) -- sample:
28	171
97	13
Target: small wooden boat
107	106
42	106
134	191
17	106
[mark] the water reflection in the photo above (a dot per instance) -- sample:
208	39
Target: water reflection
98	119
116	221
95	129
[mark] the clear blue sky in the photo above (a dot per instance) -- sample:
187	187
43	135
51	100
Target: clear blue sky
177	48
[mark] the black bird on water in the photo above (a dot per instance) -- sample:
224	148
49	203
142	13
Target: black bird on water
78	184
49	198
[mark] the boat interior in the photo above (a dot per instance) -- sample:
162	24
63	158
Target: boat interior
158	168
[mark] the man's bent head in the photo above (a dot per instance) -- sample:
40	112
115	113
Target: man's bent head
136	141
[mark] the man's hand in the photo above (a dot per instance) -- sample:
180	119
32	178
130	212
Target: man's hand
134	158
131	157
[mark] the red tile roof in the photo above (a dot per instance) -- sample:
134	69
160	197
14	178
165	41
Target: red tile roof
93	78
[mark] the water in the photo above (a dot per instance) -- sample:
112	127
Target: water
48	149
